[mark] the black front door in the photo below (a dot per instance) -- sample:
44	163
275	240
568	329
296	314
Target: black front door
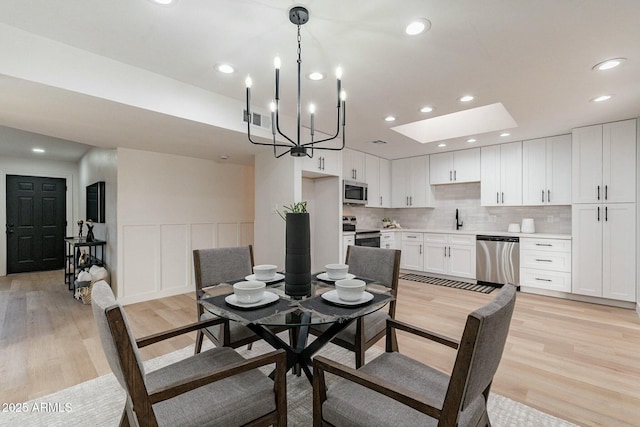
36	222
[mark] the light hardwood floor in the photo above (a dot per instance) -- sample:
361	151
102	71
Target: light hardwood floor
578	361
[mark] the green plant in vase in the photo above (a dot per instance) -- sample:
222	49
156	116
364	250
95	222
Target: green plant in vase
386	221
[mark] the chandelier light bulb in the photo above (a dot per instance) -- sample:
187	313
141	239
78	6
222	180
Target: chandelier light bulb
272	107
248	82
312	108
339	73
343	96
277	63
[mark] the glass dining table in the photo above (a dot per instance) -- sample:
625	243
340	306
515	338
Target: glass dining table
296	314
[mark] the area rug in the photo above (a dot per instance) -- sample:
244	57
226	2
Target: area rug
99	402
448	283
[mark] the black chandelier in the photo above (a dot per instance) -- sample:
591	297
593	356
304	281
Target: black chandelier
298	15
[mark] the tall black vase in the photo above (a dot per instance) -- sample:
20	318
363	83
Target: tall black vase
297	272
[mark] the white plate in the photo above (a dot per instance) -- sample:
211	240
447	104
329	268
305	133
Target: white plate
332	297
324	276
278	277
267	299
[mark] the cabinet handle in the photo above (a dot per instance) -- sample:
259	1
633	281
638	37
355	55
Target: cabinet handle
606	213
420	249
380	200
543	280
410	200
543	260
407	200
543	244
548	196
454	176
449	251
450	176
598	213
606	196
320	163
497	197
598	192
411	237
503	197
445	251
542	196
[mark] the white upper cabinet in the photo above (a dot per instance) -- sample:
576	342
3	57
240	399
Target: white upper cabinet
323	162
604	163
455	167
409	183
378	179
501	175
353	164
546	171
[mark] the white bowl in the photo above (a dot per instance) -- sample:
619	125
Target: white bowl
350	289
265	271
337	271
249	292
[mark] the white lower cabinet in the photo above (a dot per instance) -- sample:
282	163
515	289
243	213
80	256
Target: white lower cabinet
388	240
412	251
450	254
545	264
348	240
604	250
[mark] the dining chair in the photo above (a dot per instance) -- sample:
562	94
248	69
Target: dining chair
215	266
215	387
383	267
394	389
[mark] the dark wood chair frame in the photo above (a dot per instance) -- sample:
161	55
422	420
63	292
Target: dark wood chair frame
447	415
140	400
360	345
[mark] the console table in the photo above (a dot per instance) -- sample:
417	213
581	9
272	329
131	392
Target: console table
73	247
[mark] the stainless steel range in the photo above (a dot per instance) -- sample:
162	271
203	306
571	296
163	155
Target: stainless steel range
363	237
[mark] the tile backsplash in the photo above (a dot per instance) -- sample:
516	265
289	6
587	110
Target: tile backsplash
466	198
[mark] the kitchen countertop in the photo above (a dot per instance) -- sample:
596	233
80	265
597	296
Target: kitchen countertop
482	232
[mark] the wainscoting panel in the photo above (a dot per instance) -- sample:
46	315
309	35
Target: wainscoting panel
175	256
140	261
246	233
228	234
203	236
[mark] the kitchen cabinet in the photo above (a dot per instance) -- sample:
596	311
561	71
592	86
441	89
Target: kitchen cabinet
450	254
323	162
603	163
545	264
409	183
378	179
412	253
353	165
501	175
455	167
347	240
388	239
546	172
604	254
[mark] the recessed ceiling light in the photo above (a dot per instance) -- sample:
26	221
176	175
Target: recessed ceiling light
38	150
505	134
224	157
225	68
164	2
608	64
389	118
442	145
466	98
418	26
471	140
315	76
426	109
601	98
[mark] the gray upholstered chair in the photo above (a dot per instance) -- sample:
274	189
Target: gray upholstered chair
215	266
395	390
383	266
216	387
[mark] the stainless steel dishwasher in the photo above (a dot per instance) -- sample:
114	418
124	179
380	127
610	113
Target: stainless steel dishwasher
497	260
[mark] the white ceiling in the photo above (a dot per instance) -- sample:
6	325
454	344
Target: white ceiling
130	73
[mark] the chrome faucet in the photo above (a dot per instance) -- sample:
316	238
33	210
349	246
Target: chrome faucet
458	222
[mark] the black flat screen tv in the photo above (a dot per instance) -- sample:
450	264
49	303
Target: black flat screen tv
95	201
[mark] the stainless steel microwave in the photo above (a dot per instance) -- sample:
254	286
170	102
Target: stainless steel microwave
354	193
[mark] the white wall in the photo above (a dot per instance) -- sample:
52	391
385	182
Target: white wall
36	167
102	165
166	207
